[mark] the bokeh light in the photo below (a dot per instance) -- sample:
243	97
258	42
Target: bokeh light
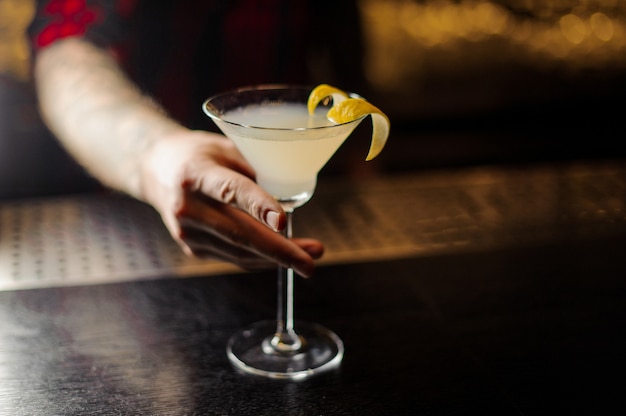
574	34
14	52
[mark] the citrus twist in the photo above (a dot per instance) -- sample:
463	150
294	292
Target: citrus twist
346	109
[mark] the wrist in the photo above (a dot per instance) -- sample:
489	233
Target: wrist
157	164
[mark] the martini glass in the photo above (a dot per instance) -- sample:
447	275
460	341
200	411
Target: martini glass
287	148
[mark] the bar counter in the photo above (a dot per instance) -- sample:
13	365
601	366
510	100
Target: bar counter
490	290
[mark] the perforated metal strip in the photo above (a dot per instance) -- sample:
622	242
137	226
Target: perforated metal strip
90	239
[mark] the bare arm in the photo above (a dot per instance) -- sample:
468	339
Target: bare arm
199	183
98	114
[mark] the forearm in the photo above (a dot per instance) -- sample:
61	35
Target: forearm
199	183
98	114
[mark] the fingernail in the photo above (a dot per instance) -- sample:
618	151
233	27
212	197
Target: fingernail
315	252
272	219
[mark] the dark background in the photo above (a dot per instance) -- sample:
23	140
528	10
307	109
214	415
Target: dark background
464	83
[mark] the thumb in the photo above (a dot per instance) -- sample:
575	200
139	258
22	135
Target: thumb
229	187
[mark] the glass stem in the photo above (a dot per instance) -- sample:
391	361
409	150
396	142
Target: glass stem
286	339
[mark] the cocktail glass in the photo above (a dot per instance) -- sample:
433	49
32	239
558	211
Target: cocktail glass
287	147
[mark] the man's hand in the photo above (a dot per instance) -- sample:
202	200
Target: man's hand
207	197
199	183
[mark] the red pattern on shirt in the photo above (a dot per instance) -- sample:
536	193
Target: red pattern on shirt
72	17
182	51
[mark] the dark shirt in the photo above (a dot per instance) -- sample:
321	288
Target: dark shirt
182	51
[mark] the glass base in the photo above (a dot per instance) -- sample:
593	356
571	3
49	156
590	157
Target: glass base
250	351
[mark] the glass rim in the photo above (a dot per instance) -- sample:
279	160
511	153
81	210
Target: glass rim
270	87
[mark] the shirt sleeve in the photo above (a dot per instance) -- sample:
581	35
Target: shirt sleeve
103	22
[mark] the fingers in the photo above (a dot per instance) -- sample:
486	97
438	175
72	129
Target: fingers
199	243
208	227
207	197
208	164
229	187
314	248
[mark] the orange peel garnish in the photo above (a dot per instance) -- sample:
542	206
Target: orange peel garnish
346	109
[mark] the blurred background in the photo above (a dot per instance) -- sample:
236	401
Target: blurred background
499	81
465	82
32	163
